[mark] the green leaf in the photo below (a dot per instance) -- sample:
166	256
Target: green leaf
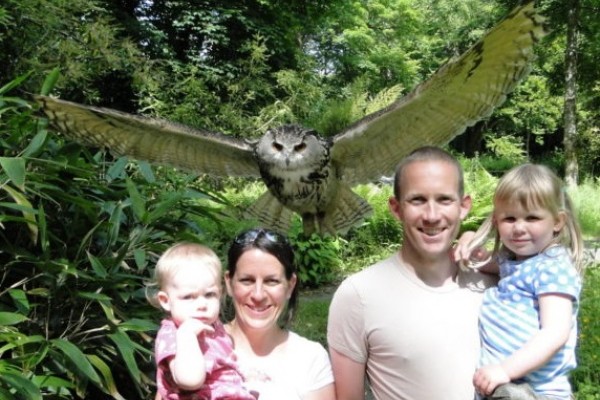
53	382
14	83
20	299
50	81
78	358
146	171
36	143
9	318
140	258
97	266
164	207
26	209
43	230
138	204
126	348
139	325
109	381
117	169
94	296
15	170
22	385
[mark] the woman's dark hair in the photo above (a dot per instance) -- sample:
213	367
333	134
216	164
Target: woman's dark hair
274	244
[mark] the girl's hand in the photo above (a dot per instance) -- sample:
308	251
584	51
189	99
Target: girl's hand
488	378
462	255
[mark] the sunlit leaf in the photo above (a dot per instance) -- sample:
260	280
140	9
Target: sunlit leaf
50	81
15	170
138	204
78	358
20	299
27	211
9	318
107	376
126	349
26	388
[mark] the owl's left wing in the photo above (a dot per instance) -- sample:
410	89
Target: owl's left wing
458	95
152	140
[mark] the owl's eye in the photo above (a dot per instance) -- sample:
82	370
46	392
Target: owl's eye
300	147
277	146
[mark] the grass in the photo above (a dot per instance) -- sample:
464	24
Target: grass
311	322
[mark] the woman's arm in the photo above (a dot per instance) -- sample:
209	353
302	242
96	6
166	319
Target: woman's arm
324	393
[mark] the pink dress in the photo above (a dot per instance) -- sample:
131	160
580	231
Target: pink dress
223	379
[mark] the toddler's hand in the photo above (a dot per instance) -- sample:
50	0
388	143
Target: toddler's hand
195	326
487	378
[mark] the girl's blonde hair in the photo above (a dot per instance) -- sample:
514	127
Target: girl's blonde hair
534	186
181	255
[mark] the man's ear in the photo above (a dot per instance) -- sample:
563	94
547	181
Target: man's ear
163	300
395	209
465	206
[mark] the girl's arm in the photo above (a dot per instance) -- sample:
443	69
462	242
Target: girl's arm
188	367
555	321
462	254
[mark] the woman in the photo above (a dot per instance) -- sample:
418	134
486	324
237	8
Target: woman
262	282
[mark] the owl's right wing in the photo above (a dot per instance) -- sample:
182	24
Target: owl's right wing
458	95
153	140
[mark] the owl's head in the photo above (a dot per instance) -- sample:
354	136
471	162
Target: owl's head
291	147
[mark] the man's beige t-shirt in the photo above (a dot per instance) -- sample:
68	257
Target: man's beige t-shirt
418	342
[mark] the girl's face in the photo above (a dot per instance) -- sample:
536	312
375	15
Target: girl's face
192	292
259	289
526	232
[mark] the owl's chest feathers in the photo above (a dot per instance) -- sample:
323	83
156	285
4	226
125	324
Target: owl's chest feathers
305	190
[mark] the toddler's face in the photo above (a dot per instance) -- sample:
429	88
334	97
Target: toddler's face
192	292
525	232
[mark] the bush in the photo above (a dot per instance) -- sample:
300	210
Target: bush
79	235
586	378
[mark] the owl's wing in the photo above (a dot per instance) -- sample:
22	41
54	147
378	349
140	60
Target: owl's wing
458	95
153	140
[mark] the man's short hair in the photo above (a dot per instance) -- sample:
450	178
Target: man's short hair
428	153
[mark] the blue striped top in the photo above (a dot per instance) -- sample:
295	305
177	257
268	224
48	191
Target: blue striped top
510	315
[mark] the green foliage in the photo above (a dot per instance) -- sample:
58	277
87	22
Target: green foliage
311	318
79	36
317	259
586	378
585	200
378	236
79	236
480	185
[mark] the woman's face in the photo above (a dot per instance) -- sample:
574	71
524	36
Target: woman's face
259	289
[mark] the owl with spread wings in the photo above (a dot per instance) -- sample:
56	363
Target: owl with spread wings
312	175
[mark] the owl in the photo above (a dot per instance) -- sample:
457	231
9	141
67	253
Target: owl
311	175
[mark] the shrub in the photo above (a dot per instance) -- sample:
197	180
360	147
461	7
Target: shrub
79	234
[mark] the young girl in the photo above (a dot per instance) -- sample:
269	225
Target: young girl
528	324
194	355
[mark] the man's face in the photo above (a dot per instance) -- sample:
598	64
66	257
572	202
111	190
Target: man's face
430	209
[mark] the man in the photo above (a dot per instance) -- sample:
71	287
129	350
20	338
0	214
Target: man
409	323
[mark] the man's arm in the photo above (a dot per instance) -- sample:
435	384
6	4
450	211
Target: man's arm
349	377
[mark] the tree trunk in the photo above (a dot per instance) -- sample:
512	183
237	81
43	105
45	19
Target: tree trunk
570	107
